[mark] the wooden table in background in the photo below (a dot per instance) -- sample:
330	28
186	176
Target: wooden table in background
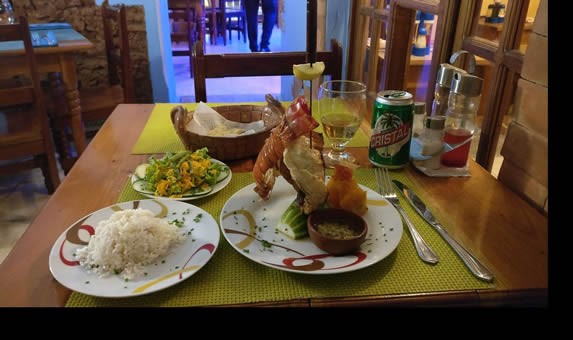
53	60
494	223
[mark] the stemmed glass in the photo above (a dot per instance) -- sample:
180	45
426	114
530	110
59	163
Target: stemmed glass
342	105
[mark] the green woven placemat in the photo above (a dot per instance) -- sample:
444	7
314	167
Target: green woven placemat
231	278
159	136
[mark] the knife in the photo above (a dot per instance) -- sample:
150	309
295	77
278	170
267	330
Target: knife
470	261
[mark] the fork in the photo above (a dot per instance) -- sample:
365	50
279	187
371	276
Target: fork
385	189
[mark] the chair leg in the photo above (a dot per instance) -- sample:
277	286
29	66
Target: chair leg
50	171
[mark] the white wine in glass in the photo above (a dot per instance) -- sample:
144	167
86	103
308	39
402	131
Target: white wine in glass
342	105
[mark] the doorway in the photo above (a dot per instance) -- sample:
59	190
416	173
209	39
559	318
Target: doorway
243	89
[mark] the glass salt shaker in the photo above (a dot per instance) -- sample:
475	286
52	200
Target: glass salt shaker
432	140
419	115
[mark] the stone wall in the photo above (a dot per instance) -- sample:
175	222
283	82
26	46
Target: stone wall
85	17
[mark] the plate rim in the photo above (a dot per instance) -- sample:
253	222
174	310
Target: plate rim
216	188
54	251
316	272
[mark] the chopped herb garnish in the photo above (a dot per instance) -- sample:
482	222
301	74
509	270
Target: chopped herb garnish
87	282
187	211
246	250
177	223
198	217
266	244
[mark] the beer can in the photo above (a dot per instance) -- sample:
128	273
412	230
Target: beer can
391	129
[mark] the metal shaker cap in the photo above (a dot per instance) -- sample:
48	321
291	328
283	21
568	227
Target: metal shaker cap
435	122
446	74
466	84
419	108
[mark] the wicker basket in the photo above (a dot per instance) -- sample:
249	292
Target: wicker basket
228	148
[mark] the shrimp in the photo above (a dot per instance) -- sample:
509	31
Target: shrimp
295	123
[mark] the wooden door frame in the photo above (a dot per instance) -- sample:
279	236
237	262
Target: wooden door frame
507	60
399	40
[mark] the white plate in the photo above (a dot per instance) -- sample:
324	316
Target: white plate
248	224
183	261
216	188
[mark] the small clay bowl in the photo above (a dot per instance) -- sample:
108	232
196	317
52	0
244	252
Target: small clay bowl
336	231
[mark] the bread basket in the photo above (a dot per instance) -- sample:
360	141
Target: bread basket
230	148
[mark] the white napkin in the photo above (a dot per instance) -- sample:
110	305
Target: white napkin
442	171
207	121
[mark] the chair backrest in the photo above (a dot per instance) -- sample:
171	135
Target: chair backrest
118	59
256	64
24	125
23	95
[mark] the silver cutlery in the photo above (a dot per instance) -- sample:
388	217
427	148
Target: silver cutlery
385	189
478	269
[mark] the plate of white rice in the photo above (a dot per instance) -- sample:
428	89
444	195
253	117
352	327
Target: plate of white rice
134	248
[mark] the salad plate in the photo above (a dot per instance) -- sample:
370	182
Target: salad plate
138	183
248	224
184	260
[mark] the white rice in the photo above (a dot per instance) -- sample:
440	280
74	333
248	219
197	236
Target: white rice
128	241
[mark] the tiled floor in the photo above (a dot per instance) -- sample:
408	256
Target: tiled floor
22	195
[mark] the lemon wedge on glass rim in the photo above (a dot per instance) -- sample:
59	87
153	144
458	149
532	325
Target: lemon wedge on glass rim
308	72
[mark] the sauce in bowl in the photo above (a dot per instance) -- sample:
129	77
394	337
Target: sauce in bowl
336	230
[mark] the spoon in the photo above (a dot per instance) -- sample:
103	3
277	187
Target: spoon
449	147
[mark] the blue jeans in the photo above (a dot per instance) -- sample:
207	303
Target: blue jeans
269	20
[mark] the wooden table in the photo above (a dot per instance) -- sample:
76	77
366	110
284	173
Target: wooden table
500	228
53	60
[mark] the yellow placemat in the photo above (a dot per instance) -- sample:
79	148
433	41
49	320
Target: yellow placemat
159	136
231	278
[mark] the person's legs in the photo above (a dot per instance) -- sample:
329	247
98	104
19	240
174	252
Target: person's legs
269	20
251	9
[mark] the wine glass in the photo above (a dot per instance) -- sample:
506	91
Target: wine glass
342	105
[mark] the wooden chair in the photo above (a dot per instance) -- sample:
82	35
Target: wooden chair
97	103
236	18
214	13
25	136
256	64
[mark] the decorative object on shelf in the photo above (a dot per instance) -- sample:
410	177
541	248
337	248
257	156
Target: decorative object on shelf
7	15
421	45
495	12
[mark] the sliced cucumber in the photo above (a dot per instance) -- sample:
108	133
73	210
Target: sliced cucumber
293	222
140	170
224	174
140	186
197	192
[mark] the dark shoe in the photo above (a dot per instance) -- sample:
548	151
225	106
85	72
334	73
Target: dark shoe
265	49
254	50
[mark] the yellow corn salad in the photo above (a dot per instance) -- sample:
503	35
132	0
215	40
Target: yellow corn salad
183	173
